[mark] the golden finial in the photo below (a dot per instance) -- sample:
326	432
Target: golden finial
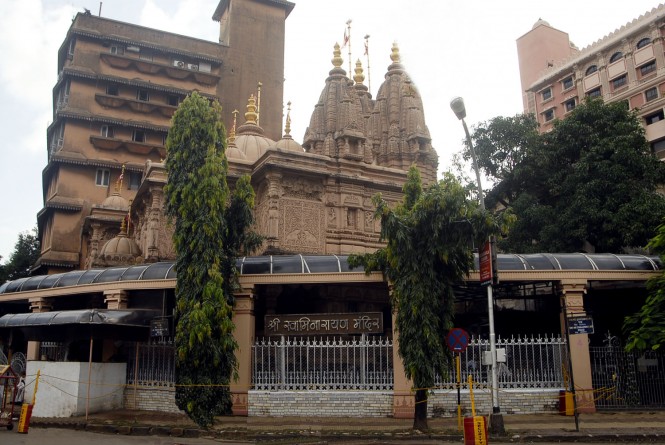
359	76
250	115
337	60
394	56
118	184
123	227
258	102
232	133
287	127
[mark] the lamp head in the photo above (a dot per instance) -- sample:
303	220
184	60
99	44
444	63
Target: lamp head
457	105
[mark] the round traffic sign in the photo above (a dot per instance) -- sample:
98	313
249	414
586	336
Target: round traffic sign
458	340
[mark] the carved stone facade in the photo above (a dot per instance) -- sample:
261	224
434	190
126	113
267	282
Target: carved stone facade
311	200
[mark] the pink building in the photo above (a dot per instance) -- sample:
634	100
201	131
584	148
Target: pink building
626	65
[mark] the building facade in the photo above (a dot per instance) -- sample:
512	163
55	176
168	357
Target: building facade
626	65
118	86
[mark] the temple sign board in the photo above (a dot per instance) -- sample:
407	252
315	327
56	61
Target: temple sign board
324	324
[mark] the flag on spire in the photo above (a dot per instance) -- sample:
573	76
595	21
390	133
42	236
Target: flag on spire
346	38
366	46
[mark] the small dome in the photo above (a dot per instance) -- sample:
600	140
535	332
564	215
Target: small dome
121	245
287	142
115	201
250	139
540	22
233	152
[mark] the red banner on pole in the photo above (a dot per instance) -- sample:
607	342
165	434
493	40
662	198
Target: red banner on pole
486	269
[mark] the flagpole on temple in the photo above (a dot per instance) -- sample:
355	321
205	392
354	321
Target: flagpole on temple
348	26
369	77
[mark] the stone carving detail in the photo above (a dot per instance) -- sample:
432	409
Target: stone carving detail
302	188
301	228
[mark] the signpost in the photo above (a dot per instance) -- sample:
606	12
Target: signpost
458	340
580	325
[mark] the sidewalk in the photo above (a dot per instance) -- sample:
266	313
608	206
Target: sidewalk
597	427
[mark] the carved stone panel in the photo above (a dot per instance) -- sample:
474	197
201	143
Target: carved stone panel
302	227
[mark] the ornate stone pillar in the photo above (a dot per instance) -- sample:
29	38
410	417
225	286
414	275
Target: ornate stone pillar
404	399
116	299
37	305
245	329
572	302
154	215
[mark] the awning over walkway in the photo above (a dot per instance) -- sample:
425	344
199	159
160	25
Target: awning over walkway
312	264
61	325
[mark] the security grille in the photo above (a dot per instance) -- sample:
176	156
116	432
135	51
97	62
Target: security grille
530	363
361	363
624	380
155	366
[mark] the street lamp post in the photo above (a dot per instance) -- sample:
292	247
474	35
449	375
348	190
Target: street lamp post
496	418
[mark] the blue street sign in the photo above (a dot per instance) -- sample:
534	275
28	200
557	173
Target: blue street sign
458	340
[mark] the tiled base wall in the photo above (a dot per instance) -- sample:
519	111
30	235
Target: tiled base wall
321	403
356	403
511	401
151	399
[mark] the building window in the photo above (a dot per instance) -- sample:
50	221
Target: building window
106	131
644	42
594	93
112	90
658	147
103	177
651	94
592	69
548	115
138	136
569	105
164	136
120	50
567	83
546	94
142	95
72	45
655	117
145	56
172	100
616	56
134	180
619	82
648	68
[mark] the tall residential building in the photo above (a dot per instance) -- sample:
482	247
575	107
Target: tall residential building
118	86
626	65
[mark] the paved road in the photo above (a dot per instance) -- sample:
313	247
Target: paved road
53	436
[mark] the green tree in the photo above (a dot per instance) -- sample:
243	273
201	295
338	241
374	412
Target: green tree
211	231
429	240
589	184
26	253
646	328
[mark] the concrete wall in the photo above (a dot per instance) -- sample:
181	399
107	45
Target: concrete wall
150	399
63	387
321	403
443	403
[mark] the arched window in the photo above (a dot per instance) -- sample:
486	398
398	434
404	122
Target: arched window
591	69
616	56
644	42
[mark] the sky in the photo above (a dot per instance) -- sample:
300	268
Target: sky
449	48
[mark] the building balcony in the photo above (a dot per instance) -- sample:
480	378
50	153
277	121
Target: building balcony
655	131
140	148
138	106
149	67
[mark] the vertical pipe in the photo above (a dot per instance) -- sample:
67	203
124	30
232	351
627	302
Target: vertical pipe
87	396
136	377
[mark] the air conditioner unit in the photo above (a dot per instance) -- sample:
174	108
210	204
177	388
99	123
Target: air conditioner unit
134	49
179	63
191	66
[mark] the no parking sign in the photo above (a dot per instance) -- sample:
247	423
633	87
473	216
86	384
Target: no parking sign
457	340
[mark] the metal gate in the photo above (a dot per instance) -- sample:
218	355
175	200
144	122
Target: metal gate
625	380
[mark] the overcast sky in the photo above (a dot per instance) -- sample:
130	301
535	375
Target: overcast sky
450	48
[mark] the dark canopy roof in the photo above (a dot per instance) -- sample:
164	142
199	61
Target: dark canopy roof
56	325
308	264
